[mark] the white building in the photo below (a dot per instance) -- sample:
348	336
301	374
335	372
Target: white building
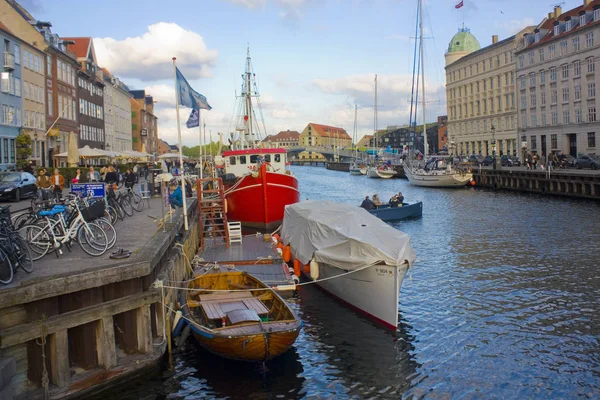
117	113
557	80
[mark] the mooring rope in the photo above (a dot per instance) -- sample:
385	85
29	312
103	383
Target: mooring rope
42	342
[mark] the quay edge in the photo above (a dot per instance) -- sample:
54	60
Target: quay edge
101	327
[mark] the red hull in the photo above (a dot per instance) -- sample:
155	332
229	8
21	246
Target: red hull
259	202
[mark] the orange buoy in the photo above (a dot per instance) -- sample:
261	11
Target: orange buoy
472	183
287	253
307	269
280	245
297	267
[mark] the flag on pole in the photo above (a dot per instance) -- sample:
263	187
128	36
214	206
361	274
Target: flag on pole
459	5
189	97
194	120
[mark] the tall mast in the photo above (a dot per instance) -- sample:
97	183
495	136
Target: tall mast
422	76
375	118
249	98
354	133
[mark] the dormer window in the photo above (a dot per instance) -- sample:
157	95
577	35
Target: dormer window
537	37
597	14
582	20
569	25
556	29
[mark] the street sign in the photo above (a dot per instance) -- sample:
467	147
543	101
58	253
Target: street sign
95	190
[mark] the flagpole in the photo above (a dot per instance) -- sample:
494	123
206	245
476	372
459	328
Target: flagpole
185	219
200	142
204	141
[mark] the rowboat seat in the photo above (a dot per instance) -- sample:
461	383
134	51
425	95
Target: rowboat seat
220	308
237	316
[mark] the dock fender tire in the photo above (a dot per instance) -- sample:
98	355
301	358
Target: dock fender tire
225	208
314	269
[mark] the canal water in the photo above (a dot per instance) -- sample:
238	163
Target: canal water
503	302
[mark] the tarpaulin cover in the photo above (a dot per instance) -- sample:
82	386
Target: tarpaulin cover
342	235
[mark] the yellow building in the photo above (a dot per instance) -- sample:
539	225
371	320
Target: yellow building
316	135
34	99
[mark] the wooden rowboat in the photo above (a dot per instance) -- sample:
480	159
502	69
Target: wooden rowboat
234	322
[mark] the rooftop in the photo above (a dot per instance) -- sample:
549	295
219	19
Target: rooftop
330	131
463	41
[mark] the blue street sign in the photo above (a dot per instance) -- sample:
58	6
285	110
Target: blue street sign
95	190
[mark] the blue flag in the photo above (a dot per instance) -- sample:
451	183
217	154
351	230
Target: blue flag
193	121
189	97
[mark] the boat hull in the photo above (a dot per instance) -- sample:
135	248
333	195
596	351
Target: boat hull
355	171
397	213
252	348
357	290
386	174
259	201
440	180
363	171
372	173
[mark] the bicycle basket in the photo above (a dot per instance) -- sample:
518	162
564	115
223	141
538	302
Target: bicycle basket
94	211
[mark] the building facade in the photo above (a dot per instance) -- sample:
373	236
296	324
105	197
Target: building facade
117	113
90	91
285	139
557	80
317	135
480	94
11	100
144	124
442	133
34	100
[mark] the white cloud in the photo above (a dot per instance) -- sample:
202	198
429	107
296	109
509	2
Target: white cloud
149	57
251	4
513	26
163	94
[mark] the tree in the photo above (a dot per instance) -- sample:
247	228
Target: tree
23	142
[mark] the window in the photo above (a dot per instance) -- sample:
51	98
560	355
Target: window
242	159
543	98
591	90
592	114
596	15
563	47
576	43
50	103
533	142
521	61
553	141
576	68
17	87
591	65
25	59
533	100
565	71
556	29
277	157
582	20
553	96
531	57
49	65
532	79
17	54
566	117
26	119
5	142
541	53
542	77
552	51
554	118
552	74
12	150
589	39
40	94
533	120
578	116
569	25
577	92
565	95
543	119
592	135
537	37
523	101
512	78
522	79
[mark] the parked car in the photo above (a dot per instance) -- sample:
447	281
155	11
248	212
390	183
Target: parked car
16	185
590	161
474	159
487	161
566	160
510	161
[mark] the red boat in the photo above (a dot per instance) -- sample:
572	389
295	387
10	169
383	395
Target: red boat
258	187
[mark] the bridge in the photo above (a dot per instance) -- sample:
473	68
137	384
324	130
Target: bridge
328	153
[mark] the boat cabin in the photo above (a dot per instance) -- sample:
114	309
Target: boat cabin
240	162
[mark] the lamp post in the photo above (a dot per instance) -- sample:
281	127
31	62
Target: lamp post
493	129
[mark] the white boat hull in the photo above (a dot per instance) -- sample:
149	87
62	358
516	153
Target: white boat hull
373	291
363	171
439	179
386	174
354	171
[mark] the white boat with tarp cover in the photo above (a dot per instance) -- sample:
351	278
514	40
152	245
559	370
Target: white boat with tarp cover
353	255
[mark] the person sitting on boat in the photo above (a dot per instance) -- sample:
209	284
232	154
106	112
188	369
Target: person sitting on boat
376	201
367	204
176	197
400	198
394	201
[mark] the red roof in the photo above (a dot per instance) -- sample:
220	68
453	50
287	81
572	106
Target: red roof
283	135
548	24
252	151
330	131
81	46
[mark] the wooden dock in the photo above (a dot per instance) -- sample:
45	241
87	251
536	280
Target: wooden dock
255	256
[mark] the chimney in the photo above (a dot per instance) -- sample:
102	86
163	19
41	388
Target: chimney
550	15
586	2
494	39
557	11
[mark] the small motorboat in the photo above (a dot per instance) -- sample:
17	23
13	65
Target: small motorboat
236	316
387	213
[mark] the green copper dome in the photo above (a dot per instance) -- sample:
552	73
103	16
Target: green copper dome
463	41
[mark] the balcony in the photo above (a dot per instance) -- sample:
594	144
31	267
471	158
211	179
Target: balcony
9	61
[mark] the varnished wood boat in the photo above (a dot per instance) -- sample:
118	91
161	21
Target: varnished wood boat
255	325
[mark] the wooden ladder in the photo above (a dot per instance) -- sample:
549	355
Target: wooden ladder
211	209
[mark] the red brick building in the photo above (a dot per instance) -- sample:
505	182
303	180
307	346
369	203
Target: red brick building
443	143
285	139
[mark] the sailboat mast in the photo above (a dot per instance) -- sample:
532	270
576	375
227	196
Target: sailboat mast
376	141
426	148
249	98
354	134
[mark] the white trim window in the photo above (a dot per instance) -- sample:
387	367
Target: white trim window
591	65
17	54
576	43
589	39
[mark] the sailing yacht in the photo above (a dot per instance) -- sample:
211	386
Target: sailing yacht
382	171
437	171
356	168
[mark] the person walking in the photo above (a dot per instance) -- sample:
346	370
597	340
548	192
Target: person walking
43	184
58	184
129	179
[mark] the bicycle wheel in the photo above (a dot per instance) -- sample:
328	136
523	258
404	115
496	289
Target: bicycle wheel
92	239
111	215
6	268
39	240
118	209
136	202
126	205
111	233
22	254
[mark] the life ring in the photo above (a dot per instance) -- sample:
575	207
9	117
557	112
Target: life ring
314	269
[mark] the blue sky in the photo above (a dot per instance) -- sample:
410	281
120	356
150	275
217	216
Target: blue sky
314	59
